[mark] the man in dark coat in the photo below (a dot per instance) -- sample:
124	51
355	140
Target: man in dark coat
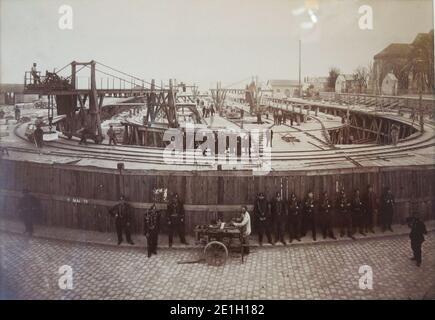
122	213
29	209
344	214
175	218
371	208
85	133
325	216
112	136
279	217
262	218
151	229
358	212
309	215
38	135
17	113
418	230
387	209
294	218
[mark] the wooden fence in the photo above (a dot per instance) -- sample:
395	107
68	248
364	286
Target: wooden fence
78	197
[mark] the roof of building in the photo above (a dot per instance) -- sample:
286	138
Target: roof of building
422	36
395	50
347	77
391	76
11	87
317	79
283	83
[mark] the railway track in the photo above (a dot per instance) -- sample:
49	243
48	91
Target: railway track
154	156
151	155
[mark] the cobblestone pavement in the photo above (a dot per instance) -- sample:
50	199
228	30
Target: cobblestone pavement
29	270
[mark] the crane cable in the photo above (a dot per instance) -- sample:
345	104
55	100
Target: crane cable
126	74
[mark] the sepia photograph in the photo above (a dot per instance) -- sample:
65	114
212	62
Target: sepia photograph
229	152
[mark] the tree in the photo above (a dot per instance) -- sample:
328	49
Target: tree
361	76
421	60
333	75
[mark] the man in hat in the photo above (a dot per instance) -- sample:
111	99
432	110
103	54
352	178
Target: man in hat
122	213
294	218
279	217
418	230
325	216
358	212
371	209
112	136
344	213
309	215
175	219
29	208
151	229
387	209
262	218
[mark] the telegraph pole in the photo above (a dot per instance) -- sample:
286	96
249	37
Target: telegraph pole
300	86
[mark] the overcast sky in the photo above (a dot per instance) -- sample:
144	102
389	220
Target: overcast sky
204	40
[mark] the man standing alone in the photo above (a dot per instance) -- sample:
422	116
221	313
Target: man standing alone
17	112
112	136
418	230
122	213
38	135
35	75
29	209
176	219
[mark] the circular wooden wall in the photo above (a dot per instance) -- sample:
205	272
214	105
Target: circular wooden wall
78	197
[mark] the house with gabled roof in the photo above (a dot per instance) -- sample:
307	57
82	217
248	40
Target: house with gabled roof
284	88
345	83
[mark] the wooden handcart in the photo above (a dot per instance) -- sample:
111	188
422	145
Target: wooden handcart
217	241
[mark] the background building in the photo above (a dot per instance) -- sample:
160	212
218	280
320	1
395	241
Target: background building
319	84
13	93
284	88
389	85
406	61
345	83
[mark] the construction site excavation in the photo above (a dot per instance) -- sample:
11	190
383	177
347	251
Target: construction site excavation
110	133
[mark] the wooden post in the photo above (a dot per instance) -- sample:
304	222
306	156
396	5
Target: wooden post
73	83
125	139
93	106
136	135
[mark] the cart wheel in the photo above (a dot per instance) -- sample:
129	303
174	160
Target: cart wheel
216	253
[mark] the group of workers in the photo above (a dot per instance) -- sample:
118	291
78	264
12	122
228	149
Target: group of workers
207	111
296	217
278	217
122	213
